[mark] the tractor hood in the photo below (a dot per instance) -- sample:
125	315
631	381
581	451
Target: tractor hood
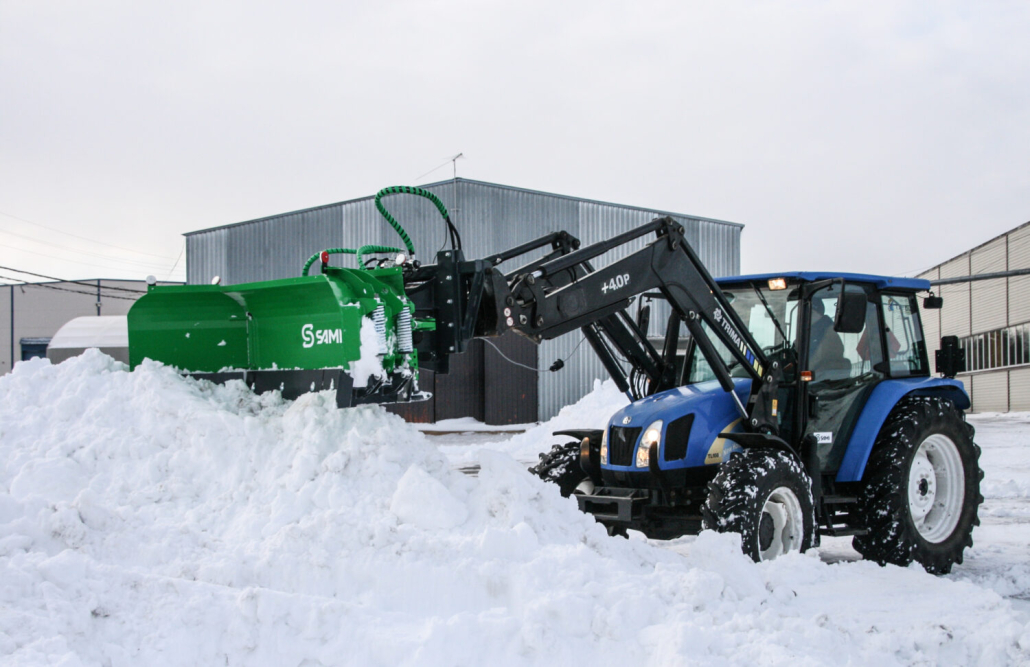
692	419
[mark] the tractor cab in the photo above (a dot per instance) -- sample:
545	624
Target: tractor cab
833	351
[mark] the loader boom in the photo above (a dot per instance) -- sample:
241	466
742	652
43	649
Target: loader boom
561	292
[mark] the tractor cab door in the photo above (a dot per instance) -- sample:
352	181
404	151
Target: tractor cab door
844	369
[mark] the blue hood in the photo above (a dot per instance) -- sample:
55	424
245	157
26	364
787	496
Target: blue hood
713	410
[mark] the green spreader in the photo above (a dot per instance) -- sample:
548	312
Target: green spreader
349	329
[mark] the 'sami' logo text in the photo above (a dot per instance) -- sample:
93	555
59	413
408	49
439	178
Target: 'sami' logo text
312	336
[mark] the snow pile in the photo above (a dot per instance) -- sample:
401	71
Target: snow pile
151	519
592	411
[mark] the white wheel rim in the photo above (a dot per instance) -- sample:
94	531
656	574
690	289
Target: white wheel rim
784	510
936	488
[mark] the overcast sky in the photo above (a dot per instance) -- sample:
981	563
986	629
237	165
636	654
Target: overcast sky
870	136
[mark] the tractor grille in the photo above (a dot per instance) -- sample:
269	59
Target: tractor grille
621	441
676	437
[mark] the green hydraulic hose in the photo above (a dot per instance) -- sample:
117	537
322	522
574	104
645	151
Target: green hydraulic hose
331	251
410	190
371	249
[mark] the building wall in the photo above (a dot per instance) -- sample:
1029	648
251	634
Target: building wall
40	309
991	319
490	218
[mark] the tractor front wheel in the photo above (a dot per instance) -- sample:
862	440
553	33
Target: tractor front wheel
921	490
766	496
561	466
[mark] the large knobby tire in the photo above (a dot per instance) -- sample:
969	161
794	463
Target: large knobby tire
921	488
561	466
766	496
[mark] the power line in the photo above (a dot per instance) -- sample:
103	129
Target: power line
439	166
51	244
73	261
65	289
76	282
84	238
177	259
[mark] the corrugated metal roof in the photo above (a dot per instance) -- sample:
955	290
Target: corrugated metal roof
433	186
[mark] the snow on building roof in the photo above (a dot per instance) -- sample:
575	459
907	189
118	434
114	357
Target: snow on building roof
101	331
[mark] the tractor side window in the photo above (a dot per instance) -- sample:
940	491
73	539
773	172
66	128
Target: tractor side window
836	356
845	368
906	349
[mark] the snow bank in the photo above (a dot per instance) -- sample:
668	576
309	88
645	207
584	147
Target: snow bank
592	411
151	519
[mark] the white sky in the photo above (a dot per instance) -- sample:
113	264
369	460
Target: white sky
867	136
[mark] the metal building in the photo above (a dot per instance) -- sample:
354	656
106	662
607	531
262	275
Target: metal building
490	218
31	313
991	319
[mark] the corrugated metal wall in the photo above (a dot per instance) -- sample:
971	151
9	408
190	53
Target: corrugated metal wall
1019	287
986	306
987	297
490	217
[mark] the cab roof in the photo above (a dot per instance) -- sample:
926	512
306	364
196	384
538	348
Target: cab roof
881	282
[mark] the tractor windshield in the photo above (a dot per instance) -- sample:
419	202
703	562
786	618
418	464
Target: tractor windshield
770	315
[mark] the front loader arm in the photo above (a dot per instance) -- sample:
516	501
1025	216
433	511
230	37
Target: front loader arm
561	292
597	300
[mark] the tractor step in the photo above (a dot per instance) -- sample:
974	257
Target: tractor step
839	500
842	531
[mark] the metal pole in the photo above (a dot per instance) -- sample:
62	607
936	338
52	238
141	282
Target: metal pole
981	276
98	297
12	327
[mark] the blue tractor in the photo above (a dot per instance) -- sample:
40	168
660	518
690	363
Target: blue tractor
794	405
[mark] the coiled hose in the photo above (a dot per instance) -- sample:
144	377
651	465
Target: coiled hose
452	231
360	252
331	251
372	249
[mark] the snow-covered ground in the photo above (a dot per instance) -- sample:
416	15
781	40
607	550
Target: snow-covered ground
146	519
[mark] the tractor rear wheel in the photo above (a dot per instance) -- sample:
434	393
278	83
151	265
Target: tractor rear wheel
921	488
561	466
766	496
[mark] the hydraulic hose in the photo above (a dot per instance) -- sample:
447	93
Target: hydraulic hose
419	192
372	249
331	251
360	252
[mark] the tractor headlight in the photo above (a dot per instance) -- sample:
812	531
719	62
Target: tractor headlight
652	436
604	447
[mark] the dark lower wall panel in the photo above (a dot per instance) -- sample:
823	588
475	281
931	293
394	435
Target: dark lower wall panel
511	395
459	393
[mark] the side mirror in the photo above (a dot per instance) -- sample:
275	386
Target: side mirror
951	359
850	316
933	302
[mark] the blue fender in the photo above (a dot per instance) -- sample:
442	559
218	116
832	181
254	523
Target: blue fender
883	399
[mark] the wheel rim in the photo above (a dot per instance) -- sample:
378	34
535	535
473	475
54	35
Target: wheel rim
936	488
781	525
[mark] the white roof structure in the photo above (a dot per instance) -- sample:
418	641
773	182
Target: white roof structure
83	332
